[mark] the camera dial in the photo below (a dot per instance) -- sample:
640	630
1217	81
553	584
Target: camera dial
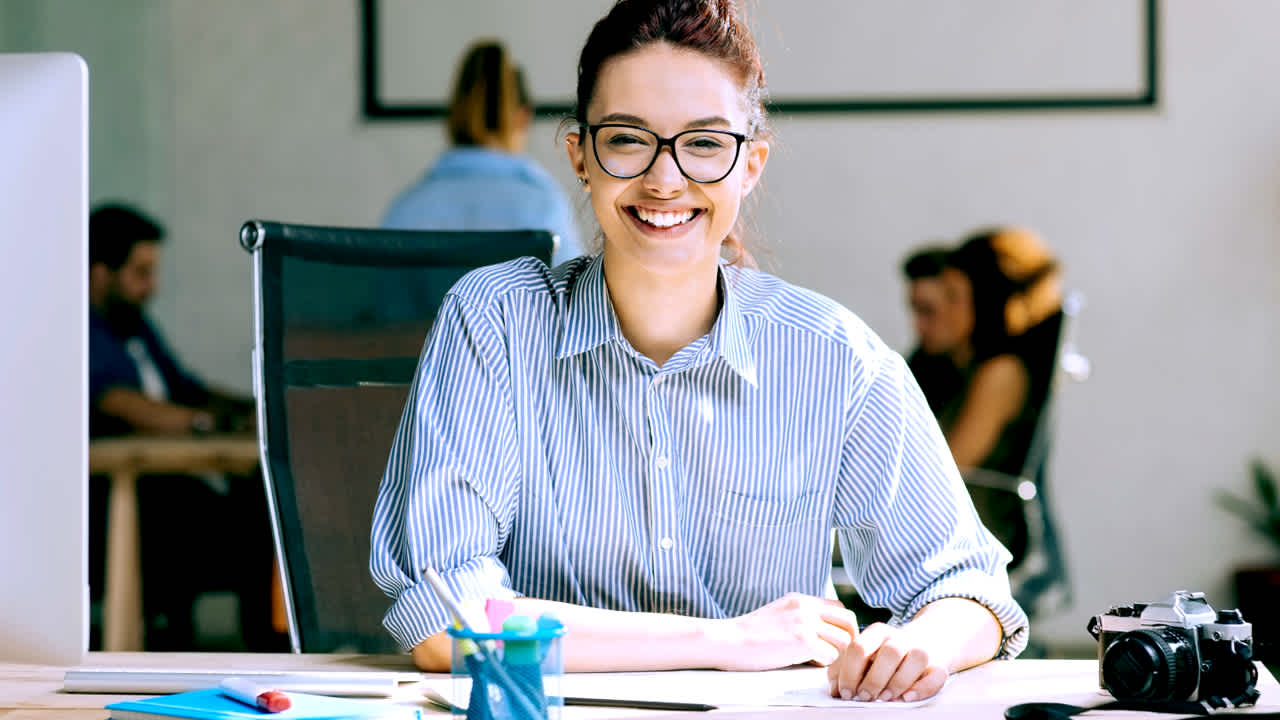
1151	665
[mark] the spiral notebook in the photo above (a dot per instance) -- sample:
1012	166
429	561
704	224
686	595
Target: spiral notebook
211	704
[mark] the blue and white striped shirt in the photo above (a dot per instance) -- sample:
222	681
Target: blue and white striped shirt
540	454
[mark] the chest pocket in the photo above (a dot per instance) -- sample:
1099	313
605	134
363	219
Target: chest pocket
764	548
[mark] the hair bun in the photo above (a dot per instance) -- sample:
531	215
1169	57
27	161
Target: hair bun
1026	260
1021	253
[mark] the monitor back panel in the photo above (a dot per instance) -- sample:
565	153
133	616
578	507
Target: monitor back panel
44	359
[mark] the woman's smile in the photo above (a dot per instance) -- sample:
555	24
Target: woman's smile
663	221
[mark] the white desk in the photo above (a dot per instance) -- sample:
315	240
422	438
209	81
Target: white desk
29	692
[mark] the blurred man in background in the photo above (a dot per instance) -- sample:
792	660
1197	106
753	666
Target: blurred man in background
199	534
135	382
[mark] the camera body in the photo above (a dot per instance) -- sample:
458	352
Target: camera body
1177	649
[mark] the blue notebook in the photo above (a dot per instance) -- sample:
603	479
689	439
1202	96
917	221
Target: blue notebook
213	705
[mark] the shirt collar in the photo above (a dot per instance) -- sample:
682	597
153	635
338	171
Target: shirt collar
730	333
590	321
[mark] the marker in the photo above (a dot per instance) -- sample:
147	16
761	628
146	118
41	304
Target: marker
498	612
522	659
550	624
251	694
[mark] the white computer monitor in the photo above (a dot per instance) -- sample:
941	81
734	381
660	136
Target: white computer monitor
44	434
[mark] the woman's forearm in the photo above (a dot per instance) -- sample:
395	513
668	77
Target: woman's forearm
613	641
607	640
791	630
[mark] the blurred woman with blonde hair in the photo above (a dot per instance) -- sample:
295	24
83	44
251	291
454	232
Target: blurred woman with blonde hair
486	180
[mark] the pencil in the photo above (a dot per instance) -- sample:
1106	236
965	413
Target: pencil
637	704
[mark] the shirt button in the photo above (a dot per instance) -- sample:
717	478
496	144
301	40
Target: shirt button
661	462
666	543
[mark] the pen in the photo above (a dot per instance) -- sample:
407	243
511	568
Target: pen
468	623
251	694
637	704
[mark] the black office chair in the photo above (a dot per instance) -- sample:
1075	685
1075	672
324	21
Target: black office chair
341	315
1039	577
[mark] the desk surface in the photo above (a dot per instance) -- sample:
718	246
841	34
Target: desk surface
32	692
231	452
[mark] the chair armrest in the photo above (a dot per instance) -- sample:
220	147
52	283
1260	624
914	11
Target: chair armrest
996	480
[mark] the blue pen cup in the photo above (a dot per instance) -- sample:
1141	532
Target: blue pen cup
509	675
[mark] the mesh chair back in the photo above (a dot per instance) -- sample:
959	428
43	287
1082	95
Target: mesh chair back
341	317
1041	582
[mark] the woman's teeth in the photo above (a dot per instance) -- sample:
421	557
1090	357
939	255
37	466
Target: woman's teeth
665	219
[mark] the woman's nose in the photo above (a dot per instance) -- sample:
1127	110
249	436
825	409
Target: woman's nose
664	176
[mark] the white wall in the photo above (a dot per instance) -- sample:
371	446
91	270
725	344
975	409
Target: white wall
127	48
1166	218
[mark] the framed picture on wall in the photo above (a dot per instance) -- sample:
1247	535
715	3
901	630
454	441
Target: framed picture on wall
821	56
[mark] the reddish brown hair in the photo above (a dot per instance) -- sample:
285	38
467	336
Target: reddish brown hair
711	27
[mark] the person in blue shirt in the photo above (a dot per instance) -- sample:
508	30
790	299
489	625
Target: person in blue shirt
656	443
136	384
486	180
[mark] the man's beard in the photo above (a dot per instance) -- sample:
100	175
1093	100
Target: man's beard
124	317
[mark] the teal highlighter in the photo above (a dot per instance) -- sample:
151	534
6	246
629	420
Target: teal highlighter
523	661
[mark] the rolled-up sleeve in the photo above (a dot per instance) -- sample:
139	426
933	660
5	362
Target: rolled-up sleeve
908	530
450	489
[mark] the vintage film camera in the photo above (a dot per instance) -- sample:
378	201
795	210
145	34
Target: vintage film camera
1178	649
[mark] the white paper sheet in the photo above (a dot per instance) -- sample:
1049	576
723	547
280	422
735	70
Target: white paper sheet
795	687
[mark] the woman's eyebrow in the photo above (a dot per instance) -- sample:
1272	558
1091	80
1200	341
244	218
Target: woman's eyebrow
708	121
623	118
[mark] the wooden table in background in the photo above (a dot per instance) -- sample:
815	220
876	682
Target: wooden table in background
123	459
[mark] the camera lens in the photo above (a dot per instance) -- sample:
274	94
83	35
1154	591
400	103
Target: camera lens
1153	665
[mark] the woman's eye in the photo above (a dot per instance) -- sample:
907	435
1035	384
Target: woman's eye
704	143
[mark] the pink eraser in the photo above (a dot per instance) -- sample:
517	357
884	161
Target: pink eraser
498	611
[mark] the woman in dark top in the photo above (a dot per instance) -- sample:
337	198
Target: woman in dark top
1006	303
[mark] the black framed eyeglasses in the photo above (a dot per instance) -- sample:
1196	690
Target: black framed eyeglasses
628	151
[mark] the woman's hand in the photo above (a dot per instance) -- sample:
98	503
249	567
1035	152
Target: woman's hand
792	630
912	662
887	663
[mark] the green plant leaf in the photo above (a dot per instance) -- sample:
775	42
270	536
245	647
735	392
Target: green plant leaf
1261	512
1265	482
1240	507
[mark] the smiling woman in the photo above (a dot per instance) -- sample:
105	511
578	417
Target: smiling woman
655	443
667	205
